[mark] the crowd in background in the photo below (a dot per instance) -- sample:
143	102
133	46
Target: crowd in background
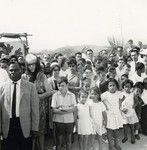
88	95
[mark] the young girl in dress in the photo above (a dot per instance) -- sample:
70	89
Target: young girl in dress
84	121
97	112
114	121
128	111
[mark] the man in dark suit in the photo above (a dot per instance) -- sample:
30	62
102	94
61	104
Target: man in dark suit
19	111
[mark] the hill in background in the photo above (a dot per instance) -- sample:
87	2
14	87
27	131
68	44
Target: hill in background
71	50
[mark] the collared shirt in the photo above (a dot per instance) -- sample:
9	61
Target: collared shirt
17	97
67	101
3	76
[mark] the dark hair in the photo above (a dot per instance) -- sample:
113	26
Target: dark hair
114	81
120	47
127	82
135	49
139	85
88	67
84	92
128	65
78	53
90	50
13	56
98	58
13	63
100	68
125	75
139	66
72	61
62	79
96	91
82	60
111	69
63	60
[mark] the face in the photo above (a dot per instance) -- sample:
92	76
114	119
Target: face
88	73
14	72
13	60
127	88
47	69
83	98
145	58
86	86
121	63
112	74
73	68
94	96
119	51
137	91
101	75
20	60
78	56
3	65
63	87
66	65
134	56
112	87
127	70
32	67
90	55
56	71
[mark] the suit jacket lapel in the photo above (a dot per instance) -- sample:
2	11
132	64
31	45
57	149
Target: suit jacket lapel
21	89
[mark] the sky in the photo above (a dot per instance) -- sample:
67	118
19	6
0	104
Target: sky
57	23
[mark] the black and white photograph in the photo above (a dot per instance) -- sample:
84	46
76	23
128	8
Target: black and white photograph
73	75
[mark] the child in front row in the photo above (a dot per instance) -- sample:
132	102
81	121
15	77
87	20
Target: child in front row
114	121
84	122
97	112
128	112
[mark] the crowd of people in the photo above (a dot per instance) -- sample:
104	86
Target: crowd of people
94	97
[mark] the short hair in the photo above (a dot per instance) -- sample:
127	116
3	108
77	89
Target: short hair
13	56
84	92
82	60
128	65
14	63
120	47
127	82
90	50
139	85
139	66
63	60
125	75
100	68
72	61
88	67
62	79
78	53
111	69
114	81
135	49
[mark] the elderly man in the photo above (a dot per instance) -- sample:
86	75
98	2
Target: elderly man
19	111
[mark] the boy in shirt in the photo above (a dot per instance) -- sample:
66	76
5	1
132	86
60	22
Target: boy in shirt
64	106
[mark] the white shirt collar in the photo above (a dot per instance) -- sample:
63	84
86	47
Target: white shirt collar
18	82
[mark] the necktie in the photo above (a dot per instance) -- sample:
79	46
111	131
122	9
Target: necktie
14	101
56	86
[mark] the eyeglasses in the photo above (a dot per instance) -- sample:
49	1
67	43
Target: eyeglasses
71	66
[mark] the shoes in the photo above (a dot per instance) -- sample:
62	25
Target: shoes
124	140
137	136
133	140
